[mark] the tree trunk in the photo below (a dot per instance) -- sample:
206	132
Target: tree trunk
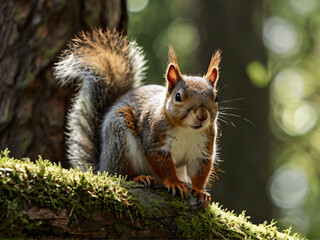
32	33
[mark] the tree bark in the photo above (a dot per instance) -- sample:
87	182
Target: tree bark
159	225
32	33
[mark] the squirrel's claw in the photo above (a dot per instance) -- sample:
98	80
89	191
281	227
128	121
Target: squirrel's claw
203	197
146	180
182	188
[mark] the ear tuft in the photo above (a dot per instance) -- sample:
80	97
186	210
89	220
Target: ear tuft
173	73
213	70
172	55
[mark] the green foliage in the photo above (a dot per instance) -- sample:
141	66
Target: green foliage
46	184
258	74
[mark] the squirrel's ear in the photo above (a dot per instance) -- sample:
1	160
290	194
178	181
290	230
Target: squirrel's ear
213	70
173	73
172	76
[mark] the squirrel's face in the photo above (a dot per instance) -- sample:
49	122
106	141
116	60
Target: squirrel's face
192	103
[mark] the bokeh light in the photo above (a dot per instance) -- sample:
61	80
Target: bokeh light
304	7
288	186
288	86
291	37
279	35
299	118
137	5
258	74
297	218
184	36
295	116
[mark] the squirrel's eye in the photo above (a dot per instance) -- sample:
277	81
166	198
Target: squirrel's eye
178	97
216	100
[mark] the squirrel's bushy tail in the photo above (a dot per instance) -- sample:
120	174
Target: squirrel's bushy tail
104	65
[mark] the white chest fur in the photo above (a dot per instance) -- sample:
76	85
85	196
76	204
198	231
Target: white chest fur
187	147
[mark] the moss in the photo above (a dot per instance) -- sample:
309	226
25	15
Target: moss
214	221
46	184
85	195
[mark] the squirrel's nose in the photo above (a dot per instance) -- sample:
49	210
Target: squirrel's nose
201	114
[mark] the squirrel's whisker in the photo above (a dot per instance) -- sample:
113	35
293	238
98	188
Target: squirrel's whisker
232	100
237	116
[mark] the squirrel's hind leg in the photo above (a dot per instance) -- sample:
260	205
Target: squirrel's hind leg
114	155
121	152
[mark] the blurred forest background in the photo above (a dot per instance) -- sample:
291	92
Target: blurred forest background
269	96
269	138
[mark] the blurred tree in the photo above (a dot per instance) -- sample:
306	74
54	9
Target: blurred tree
32	33
233	27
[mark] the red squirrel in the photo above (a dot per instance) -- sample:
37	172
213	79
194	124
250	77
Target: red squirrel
146	132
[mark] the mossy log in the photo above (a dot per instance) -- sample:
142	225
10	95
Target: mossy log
43	200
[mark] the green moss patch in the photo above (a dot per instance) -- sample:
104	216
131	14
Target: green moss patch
43	199
47	185
215	222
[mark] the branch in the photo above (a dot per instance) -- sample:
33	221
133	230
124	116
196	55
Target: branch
44	200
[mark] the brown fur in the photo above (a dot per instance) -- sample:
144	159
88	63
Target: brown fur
209	149
131	121
165	169
161	138
173	58
211	138
104	52
202	177
162	165
177	120
199	181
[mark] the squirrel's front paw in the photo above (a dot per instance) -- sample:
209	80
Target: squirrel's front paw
203	197
182	188
146	180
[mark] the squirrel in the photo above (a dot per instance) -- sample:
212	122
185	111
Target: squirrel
146	132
